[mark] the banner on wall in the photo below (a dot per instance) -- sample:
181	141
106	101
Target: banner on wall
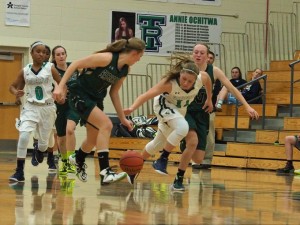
192	2
166	33
17	13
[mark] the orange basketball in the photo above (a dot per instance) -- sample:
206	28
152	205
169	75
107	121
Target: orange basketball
131	162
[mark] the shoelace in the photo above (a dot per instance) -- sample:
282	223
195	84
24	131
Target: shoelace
112	169
81	167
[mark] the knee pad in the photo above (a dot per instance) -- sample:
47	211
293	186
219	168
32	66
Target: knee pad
156	144
43	146
22	144
180	130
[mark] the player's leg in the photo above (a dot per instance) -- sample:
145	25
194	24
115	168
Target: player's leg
289	143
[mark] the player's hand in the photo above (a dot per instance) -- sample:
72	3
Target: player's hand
128	124
127	111
59	95
19	93
18	101
208	106
252	113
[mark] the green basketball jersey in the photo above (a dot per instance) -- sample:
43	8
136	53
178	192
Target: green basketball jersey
201	97
95	81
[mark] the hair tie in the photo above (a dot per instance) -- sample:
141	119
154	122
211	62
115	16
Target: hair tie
36	44
189	70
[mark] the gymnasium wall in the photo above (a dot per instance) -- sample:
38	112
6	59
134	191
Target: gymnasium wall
83	26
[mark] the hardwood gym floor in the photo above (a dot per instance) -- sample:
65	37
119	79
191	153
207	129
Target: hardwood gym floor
216	196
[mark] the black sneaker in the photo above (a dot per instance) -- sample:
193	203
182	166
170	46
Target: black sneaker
80	168
286	170
160	166
39	156
51	164
34	162
18	176
201	166
178	184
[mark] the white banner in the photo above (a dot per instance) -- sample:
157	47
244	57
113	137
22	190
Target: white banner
165	34
17	13
192	2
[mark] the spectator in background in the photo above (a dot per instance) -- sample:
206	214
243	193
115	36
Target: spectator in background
250	92
236	80
123	31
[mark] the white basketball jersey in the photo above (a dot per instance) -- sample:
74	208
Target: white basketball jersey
38	85
179	98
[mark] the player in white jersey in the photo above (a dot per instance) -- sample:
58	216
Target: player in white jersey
39	112
171	96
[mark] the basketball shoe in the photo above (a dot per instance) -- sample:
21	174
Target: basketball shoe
297	172
18	176
178	184
286	170
51	164
34	162
109	176
160	166
80	168
63	170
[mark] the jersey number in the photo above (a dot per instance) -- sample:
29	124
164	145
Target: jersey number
39	93
201	97
179	103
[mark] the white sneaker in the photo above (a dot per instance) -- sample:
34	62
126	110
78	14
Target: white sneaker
109	176
80	168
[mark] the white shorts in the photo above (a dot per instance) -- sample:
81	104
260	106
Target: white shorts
38	118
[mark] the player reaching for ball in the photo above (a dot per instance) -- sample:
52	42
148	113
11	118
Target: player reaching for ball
171	96
103	69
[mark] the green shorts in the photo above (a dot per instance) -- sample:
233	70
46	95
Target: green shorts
199	121
83	103
64	113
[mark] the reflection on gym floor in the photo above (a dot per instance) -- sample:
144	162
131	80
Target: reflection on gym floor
213	196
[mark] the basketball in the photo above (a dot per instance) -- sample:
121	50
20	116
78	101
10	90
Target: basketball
131	162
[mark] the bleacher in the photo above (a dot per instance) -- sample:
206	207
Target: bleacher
267	151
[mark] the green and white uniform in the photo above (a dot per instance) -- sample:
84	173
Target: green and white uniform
64	112
196	117
90	89
39	103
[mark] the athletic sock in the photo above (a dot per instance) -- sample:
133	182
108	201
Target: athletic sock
20	164
220	102
289	164
103	159
165	154
81	155
180	173
64	156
